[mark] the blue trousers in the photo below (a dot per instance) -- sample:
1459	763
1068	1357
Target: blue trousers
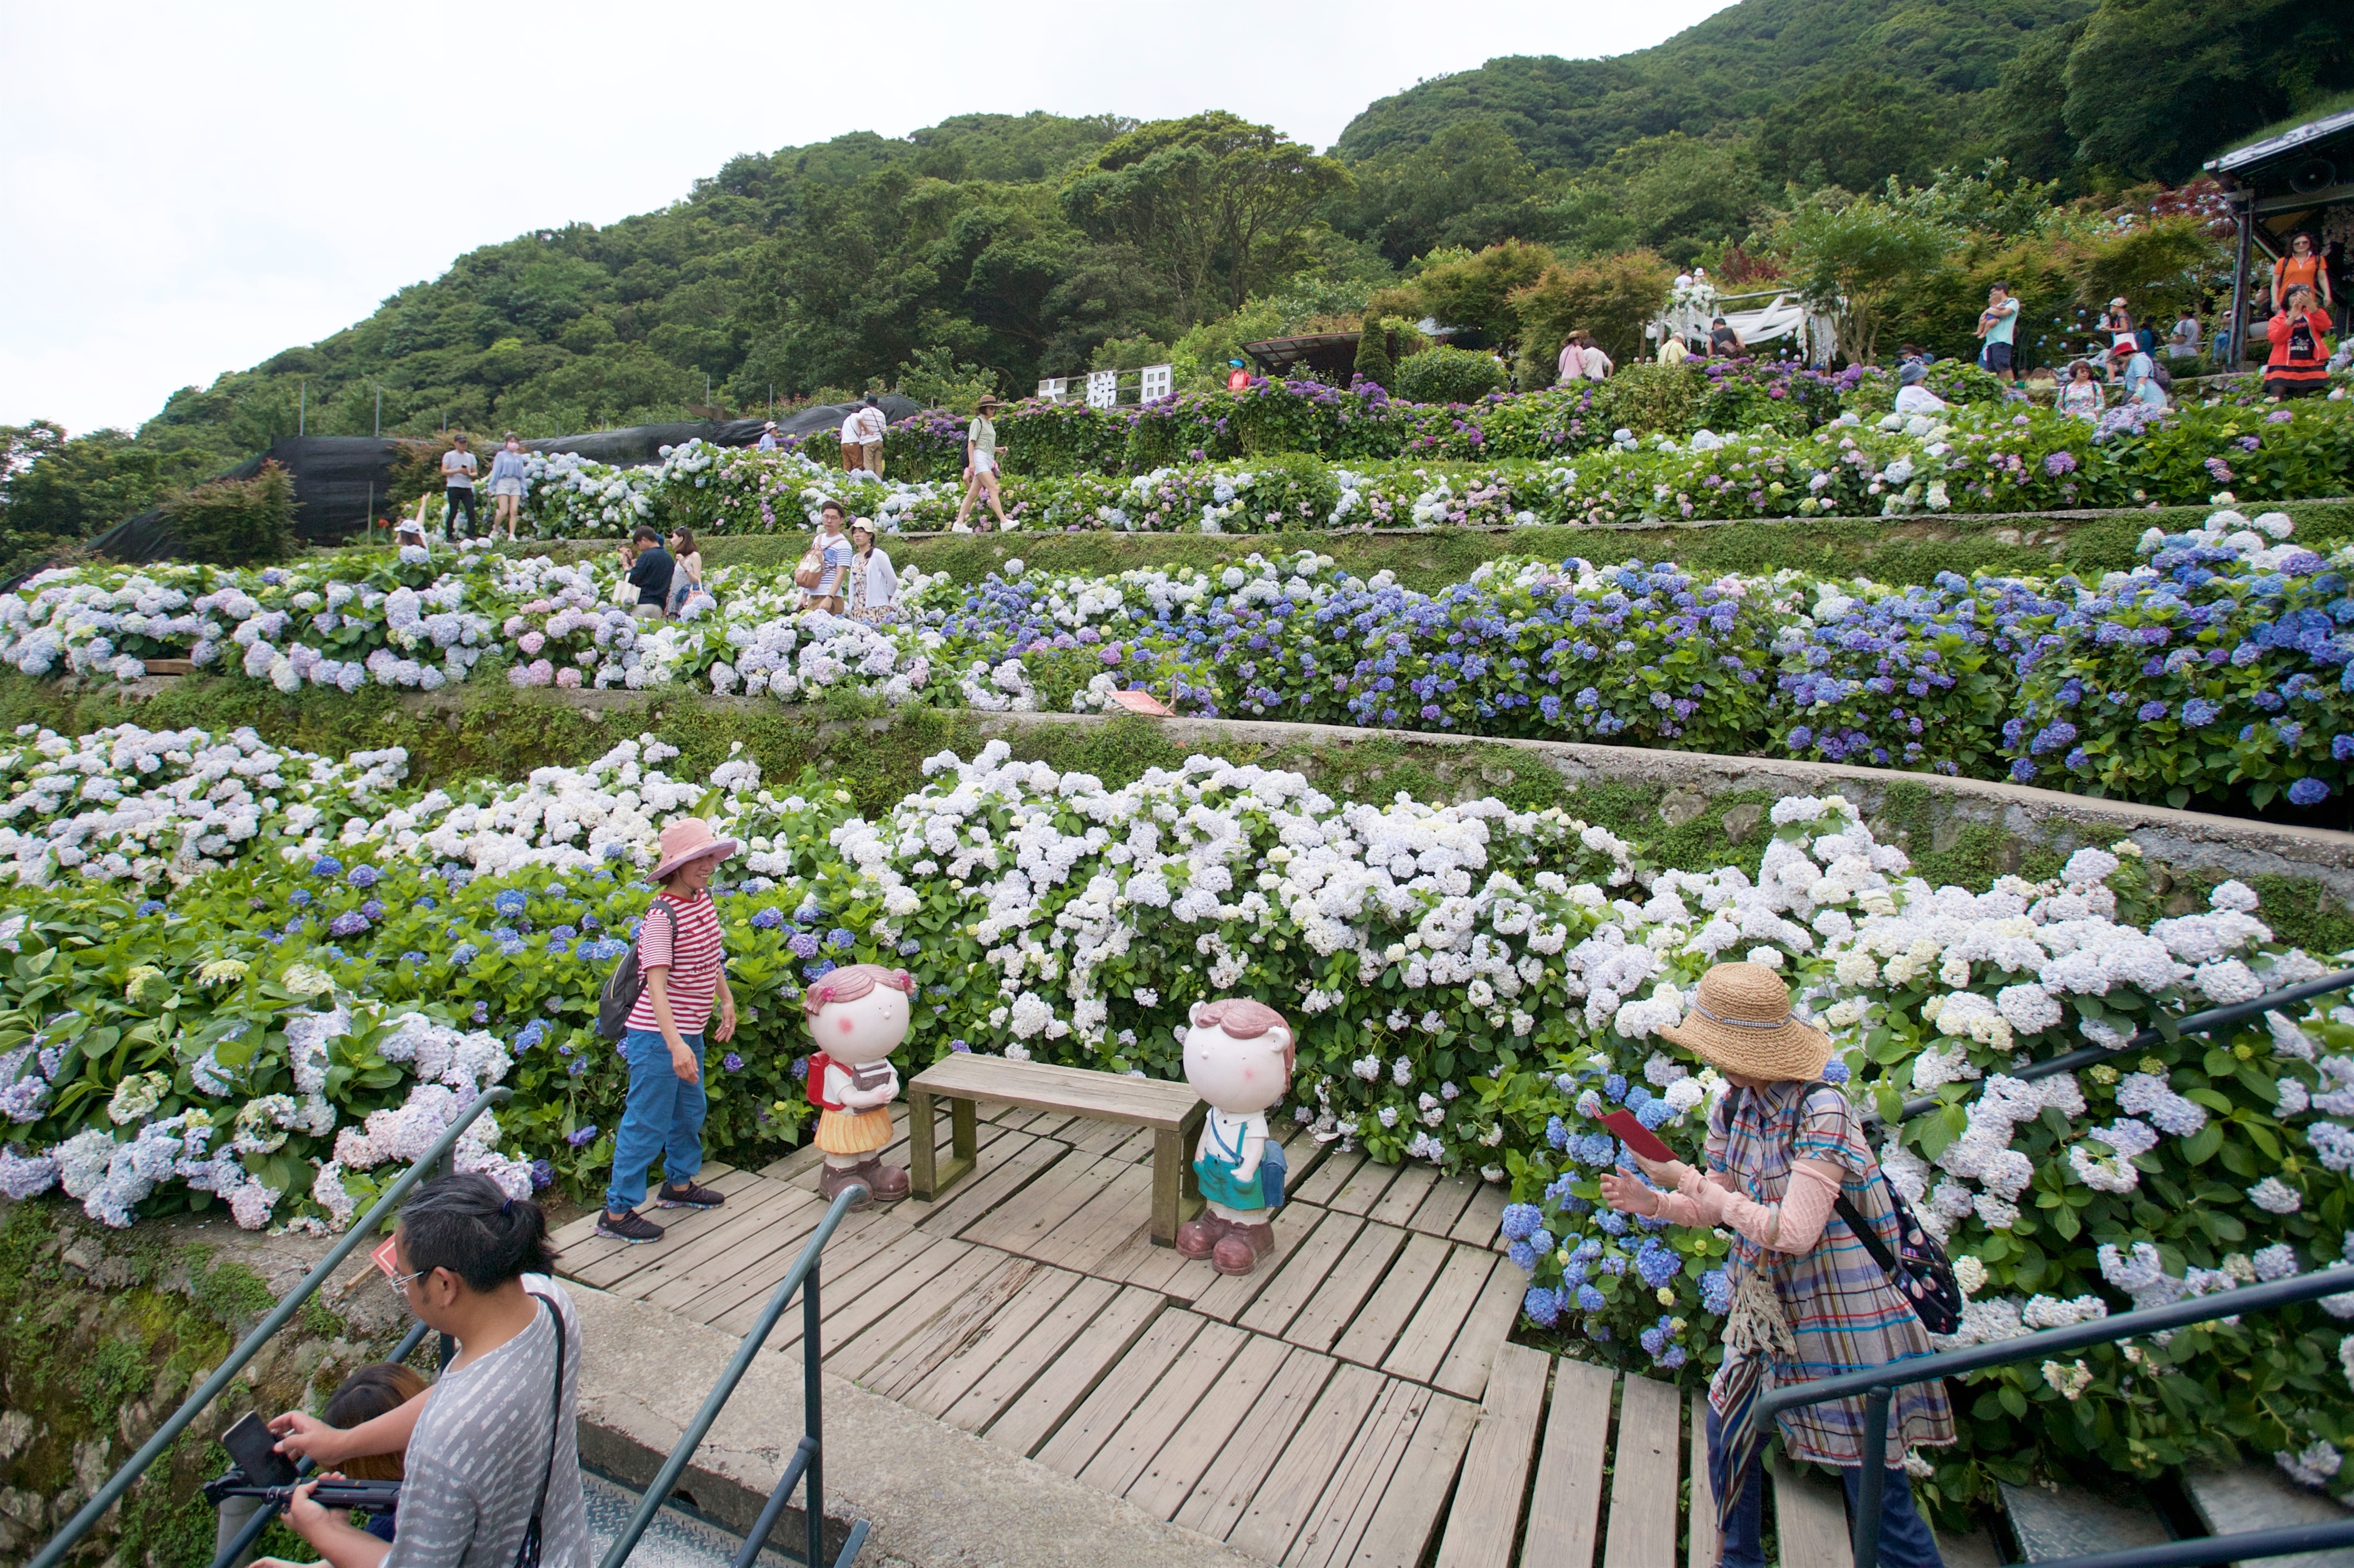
1904	1537
663	1118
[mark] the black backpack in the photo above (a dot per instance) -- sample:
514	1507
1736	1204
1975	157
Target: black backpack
1919	1269
620	997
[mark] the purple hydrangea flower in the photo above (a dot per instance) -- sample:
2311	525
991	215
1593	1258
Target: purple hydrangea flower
582	1138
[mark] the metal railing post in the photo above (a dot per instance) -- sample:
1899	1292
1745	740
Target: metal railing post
813	1400
1871	1480
166	1434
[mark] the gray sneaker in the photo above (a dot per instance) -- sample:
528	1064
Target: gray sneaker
630	1226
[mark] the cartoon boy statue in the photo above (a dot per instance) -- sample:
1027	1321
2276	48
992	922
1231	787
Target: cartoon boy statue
857	1017
1238	1057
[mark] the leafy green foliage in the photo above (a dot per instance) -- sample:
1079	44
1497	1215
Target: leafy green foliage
1611	297
55	492
1373	354
1445	374
236	522
1852	254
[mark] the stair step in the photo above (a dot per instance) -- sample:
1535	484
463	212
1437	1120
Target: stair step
2258	1497
2053	1522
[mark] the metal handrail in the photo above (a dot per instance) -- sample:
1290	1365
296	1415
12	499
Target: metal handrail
1874	1385
267	1512
807	1461
2160	1033
167	1434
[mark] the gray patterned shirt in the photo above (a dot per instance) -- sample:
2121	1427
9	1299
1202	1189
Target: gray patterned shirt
475	1460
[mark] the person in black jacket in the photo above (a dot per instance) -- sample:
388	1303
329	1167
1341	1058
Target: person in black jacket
650	574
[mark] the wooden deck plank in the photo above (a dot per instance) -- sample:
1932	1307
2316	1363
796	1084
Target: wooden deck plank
1810	1519
1699	1520
1139	1262
1329	1311
1483	1217
1566	1502
1465	1370
993	1184
583	1247
1102	1224
1225	1489
705	1258
1330	1174
1227	1297
1022	1221
1402	1199
1329	1533
738	1297
679	1228
999	1334
1643	1472
950	1332
1363	1189
1087	1429
1296	1280
1027	1359
1450	1197
1188	1454
906	1314
1292	1488
841	1283
1132	1446
1075	1371
1370	1338
1486	1517
1423	1346
1402	1521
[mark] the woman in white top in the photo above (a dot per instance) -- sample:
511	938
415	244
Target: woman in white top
834	555
1911	396
874	585
686	581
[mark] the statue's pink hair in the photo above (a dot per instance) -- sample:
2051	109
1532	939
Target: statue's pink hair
1245	1018
852	982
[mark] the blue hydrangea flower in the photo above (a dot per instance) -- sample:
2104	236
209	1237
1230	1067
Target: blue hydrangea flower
463	954
350	923
801	1068
1522	1255
1519	1219
732	1061
413	957
840	940
326	865
767	919
543	1175
1543	1305
373	909
482	1009
2307	792
1716	1292
152	906
299	897
364	876
1612	1221
583	1138
959	1045
909	946
803	944
511	903
1836	1072
1590	1299
533	1033
1556	1132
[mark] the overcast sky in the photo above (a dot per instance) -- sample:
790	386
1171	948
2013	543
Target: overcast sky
192	188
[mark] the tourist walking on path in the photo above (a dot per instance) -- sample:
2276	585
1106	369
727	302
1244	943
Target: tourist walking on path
874	584
2298	365
1598	364
684	972
834	553
1571	366
1998	324
2302	267
490	1459
981	464
458	488
1724	342
871	426
650	570
507	469
1807	1297
2082	395
853	457
686	569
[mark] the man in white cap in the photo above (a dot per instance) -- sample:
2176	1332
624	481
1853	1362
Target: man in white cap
684	972
768	441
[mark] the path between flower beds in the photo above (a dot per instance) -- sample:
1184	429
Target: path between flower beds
1353	1400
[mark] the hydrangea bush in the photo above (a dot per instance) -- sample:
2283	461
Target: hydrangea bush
278	1017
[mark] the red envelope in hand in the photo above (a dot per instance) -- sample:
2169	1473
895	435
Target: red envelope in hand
1637	1136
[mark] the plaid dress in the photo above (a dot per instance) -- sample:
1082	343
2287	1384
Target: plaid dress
1843	1313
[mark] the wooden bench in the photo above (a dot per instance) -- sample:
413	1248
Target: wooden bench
1173	1112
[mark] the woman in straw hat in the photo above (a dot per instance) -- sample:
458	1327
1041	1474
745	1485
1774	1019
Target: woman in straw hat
1810	1301
684	970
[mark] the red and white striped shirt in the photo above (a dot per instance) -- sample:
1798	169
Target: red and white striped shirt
693	957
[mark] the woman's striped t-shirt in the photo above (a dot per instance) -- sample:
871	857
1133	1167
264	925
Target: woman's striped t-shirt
693	957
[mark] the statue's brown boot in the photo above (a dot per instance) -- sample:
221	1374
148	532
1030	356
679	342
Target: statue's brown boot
1200	1237
889	1183
1241	1248
833	1178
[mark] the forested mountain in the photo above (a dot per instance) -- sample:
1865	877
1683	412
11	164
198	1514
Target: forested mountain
992	249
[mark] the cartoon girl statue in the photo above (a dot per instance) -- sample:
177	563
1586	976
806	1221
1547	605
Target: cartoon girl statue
857	1015
1238	1056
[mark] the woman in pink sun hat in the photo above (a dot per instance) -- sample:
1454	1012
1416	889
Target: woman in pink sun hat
685	972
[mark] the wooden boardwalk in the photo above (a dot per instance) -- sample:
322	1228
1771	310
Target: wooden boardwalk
1354	1400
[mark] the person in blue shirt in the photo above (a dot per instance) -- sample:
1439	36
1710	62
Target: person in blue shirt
508	471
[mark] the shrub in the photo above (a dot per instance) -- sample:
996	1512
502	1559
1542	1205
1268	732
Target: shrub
1373	354
1611	297
236	521
1450	375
